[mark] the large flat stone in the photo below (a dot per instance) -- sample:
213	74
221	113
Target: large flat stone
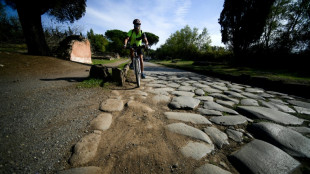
285	138
102	122
209	112
139	106
183	93
86	149
261	157
210	169
184	102
183	129
111	105
218	137
83	170
197	150
299	103
229	120
188	117
270	114
214	106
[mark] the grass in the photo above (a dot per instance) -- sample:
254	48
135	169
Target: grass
224	69
104	61
90	83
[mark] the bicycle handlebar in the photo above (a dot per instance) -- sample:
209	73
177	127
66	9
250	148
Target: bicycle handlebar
135	47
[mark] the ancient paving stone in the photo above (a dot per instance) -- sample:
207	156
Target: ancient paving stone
229	104
302	130
183	129
164	89
261	157
199	92
210	169
101	122
187	88
299	103
183	93
283	108
270	114
218	137
197	150
214	106
249	102
209	112
140	93
224	97
204	98
83	170
211	90
173	85
253	96
188	117
199	85
220	87
278	101
155	85
286	139
236	90
229	120
185	84
184	102
234	94
302	110
139	106
111	105
86	149
235	135
161	99
254	90
266	95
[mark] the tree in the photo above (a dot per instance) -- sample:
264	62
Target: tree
242	22
152	38
116	41
186	43
30	12
98	41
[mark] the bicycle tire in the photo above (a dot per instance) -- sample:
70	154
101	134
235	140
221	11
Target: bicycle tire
137	71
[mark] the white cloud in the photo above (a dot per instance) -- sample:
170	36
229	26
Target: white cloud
160	17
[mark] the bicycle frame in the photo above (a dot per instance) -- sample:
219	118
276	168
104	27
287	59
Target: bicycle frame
136	64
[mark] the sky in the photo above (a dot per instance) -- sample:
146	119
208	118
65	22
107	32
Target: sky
160	17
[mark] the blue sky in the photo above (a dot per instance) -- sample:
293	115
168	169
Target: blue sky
161	17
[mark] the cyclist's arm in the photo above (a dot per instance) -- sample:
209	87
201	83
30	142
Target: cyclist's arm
145	39
126	41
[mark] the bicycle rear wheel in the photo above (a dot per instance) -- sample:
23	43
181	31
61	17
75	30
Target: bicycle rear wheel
137	71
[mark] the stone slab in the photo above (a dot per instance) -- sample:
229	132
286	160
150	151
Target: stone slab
270	114
102	122
188	117
86	149
229	120
285	138
218	137
214	106
197	150
111	105
261	157
210	169
184	102
183	129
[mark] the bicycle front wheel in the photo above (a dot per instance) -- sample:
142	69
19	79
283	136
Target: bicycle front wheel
137	71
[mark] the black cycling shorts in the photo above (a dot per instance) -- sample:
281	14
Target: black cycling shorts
139	51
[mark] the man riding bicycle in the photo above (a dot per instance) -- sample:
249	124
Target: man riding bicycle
136	35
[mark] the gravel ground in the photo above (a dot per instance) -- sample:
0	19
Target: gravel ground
43	113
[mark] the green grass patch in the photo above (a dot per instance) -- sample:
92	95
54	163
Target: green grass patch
20	48
103	61
90	83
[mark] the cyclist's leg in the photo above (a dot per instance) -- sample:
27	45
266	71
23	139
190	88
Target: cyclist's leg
131	57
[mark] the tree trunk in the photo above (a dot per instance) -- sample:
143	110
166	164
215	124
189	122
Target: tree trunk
30	20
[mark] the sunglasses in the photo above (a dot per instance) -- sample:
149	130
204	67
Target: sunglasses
136	26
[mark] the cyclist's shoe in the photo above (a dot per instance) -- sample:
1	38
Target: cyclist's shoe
131	66
143	76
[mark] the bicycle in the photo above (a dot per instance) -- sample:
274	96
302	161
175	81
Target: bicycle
136	62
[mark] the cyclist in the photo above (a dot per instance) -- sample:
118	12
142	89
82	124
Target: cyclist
136	36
